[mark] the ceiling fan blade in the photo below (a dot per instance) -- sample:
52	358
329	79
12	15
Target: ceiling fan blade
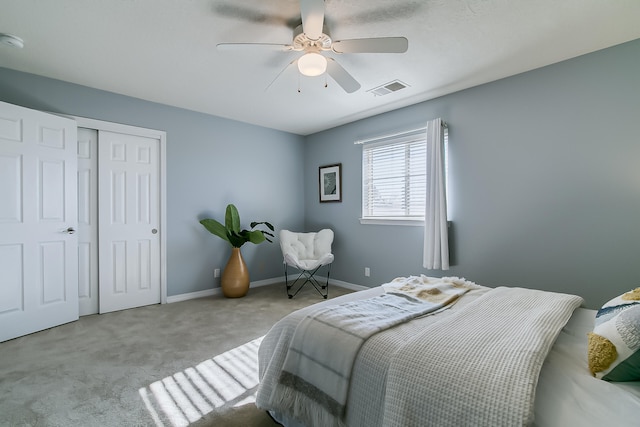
312	12
373	45
341	76
265	47
233	10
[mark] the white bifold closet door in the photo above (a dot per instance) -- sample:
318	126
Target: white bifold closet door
38	220
129	221
88	221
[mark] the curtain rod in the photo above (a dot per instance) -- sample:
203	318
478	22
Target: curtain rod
392	135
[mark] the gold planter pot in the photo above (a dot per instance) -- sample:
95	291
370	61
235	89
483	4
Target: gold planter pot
235	277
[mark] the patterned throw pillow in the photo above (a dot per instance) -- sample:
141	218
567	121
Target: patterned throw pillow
614	344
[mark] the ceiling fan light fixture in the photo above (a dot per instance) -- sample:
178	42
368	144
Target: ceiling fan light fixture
312	64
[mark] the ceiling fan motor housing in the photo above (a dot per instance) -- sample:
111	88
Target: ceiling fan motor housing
303	43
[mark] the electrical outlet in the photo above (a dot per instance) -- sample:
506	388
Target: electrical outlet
216	272
367	272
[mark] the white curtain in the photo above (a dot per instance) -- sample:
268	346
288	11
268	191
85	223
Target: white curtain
436	241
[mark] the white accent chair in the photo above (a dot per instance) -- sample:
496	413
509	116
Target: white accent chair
306	252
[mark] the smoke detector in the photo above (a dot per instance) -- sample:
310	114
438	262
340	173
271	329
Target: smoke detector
11	40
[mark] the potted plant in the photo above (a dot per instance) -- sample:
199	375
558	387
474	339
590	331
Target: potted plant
235	276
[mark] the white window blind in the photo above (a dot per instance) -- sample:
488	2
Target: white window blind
394	177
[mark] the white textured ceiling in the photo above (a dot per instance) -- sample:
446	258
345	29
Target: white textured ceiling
165	50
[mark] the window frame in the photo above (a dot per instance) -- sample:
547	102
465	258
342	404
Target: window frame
404	139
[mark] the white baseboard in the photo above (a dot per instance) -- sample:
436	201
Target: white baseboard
256	284
218	291
193	295
348	285
266	282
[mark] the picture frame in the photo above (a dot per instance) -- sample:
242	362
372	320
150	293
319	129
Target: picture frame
330	183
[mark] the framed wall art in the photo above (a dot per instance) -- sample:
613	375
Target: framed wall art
330	183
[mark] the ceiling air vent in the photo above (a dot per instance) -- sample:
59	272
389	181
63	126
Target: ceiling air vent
388	88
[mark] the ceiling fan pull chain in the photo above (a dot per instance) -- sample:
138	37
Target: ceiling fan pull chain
299	91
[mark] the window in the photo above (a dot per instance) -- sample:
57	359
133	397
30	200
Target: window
394	183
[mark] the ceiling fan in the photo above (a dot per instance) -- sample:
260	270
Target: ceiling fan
311	39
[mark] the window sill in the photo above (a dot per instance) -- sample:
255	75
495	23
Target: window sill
391	221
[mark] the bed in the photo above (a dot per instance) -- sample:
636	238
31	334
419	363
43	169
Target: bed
395	377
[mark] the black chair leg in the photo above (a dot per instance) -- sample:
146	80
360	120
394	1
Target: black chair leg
306	276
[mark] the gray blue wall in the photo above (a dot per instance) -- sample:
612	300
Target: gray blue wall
544	172
544	179
211	161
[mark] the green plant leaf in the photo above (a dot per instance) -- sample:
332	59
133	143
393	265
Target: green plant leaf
231	232
255	236
216	228
253	224
232	218
237	239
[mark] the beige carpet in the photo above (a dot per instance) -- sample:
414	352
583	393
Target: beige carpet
191	363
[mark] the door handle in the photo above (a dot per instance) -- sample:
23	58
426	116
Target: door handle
70	230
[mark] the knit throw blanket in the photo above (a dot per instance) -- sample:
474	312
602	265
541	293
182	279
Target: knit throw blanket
480	365
315	378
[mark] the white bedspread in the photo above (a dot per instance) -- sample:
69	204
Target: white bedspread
369	392
316	374
566	395
481	364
